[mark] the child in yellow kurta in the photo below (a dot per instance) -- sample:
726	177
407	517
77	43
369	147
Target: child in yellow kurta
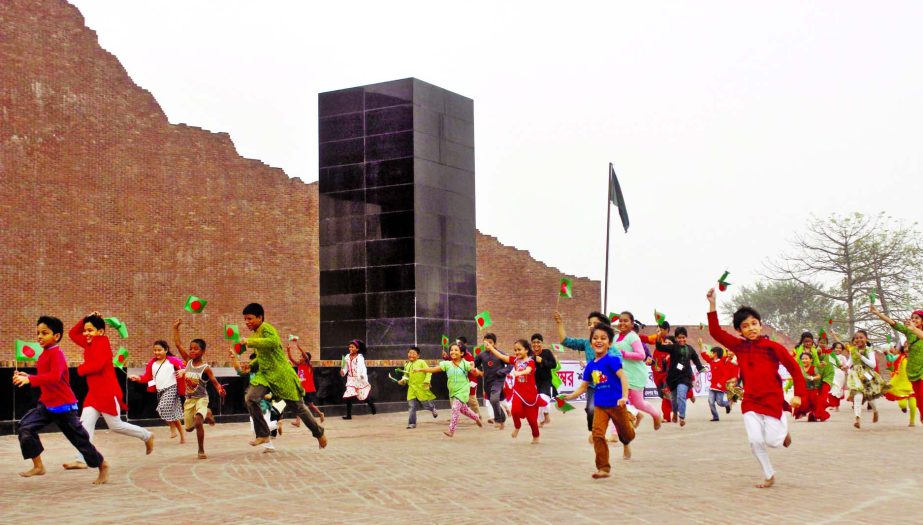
901	390
418	390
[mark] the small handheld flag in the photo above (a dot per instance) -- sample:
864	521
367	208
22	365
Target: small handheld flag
292	337
239	347
557	347
195	305
722	281
478	349
118	325
27	351
392	378
659	317
445	341
566	289
483	320
613	317
830	321
872	297
231	332
562	405
120	359
555	378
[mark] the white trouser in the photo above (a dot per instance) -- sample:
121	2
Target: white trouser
764	431
857	404
90	416
273	425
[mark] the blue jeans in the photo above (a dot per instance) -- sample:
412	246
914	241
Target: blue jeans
590	408
716	397
679	400
413	403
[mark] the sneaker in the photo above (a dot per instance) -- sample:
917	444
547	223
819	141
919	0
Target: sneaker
411	426
347	417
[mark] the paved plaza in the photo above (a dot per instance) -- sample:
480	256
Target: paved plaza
375	471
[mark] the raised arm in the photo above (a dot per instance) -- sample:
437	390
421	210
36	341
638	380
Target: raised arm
714	327
490	347
178	341
900	327
559	326
428	370
76	335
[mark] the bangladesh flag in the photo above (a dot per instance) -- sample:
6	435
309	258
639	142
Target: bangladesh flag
118	325
722	281
445	341
557	347
613	317
659	317
872	297
567	288
555	378
478	349
27	351
120	359
392	379
195	305
562	405
231	332
483	320
616	197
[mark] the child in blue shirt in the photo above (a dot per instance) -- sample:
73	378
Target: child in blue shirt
605	374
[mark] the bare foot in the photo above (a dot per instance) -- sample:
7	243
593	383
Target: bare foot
638	419
103	476
787	442
202	455
515	432
321	416
267	450
500	426
34	471
478	422
766	483
682	421
589	439
210	418
279	429
75	465
599	474
857	424
173	434
448	434
626	452
296	422
535	440
182	439
149	445
875	417
322	441
258	441
657	422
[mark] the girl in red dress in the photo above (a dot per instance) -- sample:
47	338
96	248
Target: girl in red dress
525	400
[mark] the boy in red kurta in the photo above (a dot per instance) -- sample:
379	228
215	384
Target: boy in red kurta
104	395
57	404
720	367
763	405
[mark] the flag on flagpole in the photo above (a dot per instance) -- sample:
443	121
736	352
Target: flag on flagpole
722	281
616	197
26	351
445	341
483	320
231	332
195	305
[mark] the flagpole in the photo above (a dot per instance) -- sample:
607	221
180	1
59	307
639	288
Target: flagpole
608	220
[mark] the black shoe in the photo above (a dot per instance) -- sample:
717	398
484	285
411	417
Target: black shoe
372	408
347	417
273	433
714	419
727	409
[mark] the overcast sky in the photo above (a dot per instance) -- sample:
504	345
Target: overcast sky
728	122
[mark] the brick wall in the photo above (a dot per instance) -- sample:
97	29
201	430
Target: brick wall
106	205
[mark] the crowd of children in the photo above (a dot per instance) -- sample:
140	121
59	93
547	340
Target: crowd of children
744	369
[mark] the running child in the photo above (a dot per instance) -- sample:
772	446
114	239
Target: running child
763	404
913	330
302	363
526	400
57	404
456	370
195	375
160	376
418	387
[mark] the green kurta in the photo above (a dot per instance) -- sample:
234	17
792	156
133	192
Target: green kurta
275	370
415	382
914	353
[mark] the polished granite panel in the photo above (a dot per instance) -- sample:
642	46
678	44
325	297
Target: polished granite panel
462	307
430	331
341	152
389	225
337	333
391	93
342	255
433	305
343	307
389	172
338	282
389	146
341	101
432	278
389	120
390	198
346	229
390	251
391	278
341	178
340	127
462	282
390	332
383	305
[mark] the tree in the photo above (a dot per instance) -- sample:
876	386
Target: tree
846	259
788	306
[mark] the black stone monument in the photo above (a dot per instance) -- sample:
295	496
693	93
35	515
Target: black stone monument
397	218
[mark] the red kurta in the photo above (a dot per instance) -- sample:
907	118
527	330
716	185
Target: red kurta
721	370
53	378
759	367
104	393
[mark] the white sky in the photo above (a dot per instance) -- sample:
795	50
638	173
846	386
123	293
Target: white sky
728	122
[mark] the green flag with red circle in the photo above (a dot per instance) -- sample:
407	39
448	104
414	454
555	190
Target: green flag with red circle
195	305
483	320
120	359
26	351
566	288
231	332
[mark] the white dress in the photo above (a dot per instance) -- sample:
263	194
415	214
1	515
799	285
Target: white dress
357	379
